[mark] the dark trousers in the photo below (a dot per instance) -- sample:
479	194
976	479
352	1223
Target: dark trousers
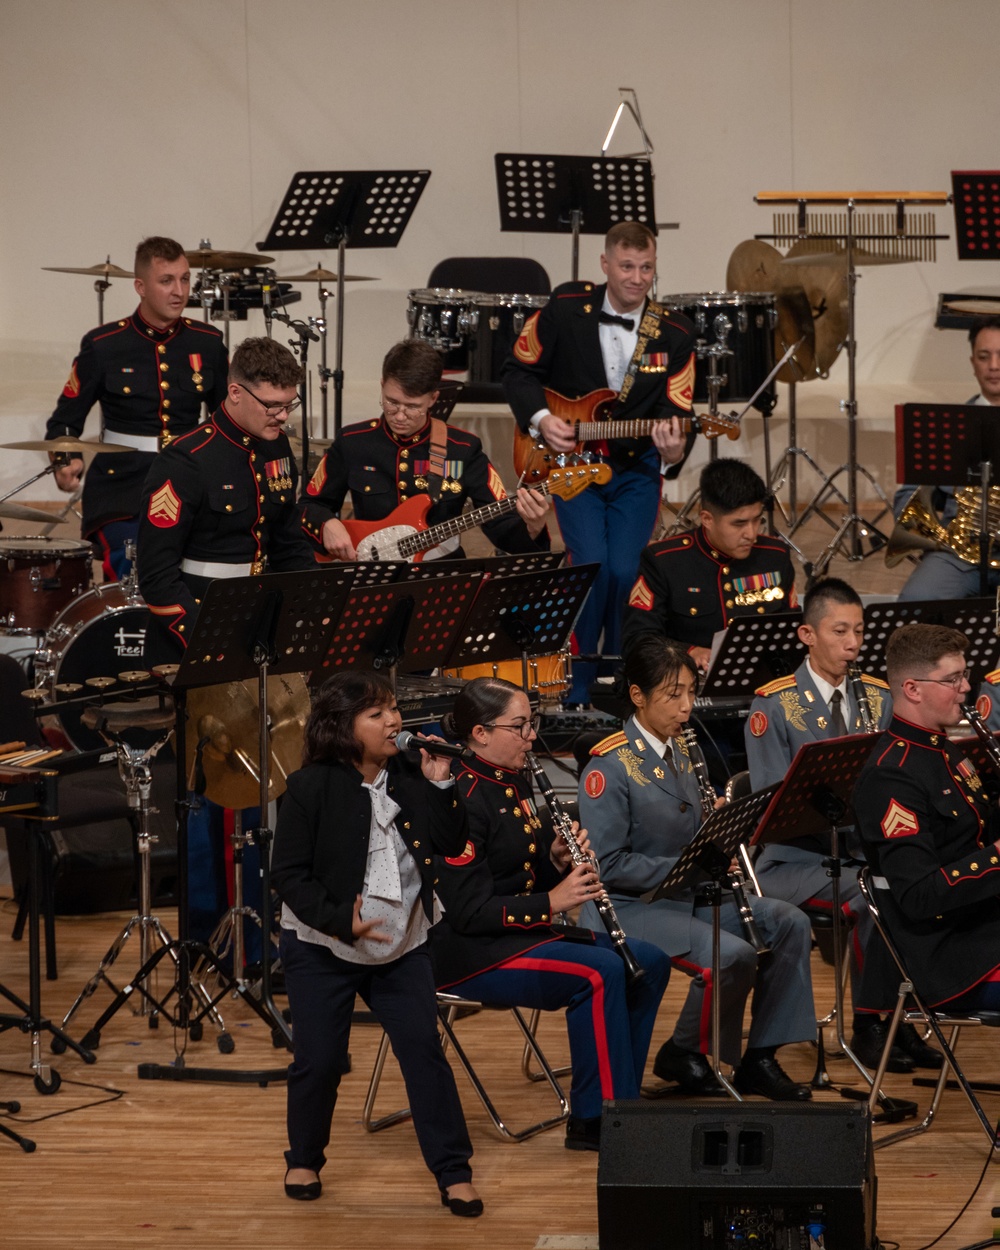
110	541
609	1031
321	990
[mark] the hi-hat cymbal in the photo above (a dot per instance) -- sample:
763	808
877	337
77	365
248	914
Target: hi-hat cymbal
227	716
211	258
66	446
104	270
319	274
19	512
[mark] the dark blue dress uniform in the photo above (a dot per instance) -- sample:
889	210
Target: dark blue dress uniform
382	470
687	590
496	943
929	837
151	385
560	348
217	502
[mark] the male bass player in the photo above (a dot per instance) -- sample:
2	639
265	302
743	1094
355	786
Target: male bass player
150	373
387	461
589	338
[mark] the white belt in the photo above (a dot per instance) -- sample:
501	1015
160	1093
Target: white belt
140	442
215	568
880	883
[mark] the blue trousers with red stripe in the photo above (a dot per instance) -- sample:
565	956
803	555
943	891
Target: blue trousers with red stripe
110	540
609	1031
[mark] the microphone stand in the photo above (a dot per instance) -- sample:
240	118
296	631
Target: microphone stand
300	346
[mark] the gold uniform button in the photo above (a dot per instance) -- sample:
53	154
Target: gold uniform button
993	859
126	390
527	867
715	554
531	848
545	915
368	490
257	476
416	841
694	611
164	385
955	872
527	920
974	867
729	603
406	825
121	323
229	507
372	424
725	569
161	349
509	792
164	366
180	629
529	887
166	403
427	862
760	611
527	828
685	542
684	807
934	740
403	467
728	586
404	453
199	388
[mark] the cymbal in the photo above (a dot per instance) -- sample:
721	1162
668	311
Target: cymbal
104	270
319	274
753	266
974	307
19	512
825	288
227	716
211	258
756	266
839	257
67	446
315	444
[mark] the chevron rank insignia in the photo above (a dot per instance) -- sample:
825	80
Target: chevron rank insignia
528	347
641	596
164	507
899	821
680	388
459	861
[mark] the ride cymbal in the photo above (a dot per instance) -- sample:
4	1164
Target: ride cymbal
324	275
757	266
211	258
66	446
753	266
104	270
20	512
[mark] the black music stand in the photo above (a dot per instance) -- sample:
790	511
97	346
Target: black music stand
573	194
754	649
704	863
974	617
951	445
976	194
330	208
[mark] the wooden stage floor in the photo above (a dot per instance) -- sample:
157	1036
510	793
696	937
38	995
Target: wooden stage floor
201	1165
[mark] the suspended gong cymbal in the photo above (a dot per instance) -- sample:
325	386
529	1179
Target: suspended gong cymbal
104	270
212	258
319	274
756	266
227	717
66	446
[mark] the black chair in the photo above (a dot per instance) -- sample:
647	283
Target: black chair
936	1020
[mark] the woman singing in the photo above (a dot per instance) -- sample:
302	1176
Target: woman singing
502	894
353	866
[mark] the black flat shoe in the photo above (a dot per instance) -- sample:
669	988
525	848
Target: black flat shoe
583	1133
763	1075
691	1071
869	1043
458	1206
303	1193
912	1044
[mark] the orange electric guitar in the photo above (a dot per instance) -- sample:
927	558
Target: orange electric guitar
590	417
405	535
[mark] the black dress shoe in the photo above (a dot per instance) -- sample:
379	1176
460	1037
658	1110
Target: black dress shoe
690	1070
763	1075
458	1206
583	1133
911	1043
303	1193
869	1043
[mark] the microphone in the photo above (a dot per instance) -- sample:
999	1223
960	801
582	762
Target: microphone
413	742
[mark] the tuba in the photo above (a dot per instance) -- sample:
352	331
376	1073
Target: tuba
919	530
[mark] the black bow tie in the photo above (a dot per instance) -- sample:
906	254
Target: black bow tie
611	319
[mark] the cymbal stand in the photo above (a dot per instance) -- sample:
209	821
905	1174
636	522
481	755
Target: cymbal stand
326	374
228	933
300	346
787	466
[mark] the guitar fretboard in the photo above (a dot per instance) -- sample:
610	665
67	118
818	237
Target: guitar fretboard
428	538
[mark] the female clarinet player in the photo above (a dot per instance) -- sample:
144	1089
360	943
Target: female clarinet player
502	896
353	867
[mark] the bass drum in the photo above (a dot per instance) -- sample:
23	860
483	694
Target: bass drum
102	634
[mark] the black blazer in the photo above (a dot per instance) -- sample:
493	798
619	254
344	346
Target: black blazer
321	838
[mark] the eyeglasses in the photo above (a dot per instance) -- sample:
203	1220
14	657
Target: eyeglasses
524	728
955	680
272	410
390	407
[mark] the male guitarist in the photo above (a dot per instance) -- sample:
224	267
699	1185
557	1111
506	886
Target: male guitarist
589	338
387	461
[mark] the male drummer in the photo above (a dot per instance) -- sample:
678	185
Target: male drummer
150	373
941	574
387	461
585	339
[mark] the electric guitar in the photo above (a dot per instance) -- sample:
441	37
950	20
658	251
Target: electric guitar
405	535
590	417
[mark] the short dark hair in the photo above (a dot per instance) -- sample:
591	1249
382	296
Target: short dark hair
821	595
264	360
629	234
415	365
480	702
914	649
329	736
652	660
980	324
727	485
156	247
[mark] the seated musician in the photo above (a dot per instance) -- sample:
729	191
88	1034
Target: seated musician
385	462
818	701
503	894
942	574
691	585
588	338
640	799
929	831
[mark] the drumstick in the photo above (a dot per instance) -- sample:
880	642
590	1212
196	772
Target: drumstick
6	748
35	756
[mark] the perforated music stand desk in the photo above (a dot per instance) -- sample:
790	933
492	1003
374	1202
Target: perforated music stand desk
337	208
974	617
755	649
976	193
540	194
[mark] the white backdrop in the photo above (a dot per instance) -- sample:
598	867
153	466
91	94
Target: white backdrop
122	118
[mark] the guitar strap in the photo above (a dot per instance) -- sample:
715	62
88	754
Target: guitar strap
438	456
648	327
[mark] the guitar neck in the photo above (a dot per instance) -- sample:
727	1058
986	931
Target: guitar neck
465	521
590	431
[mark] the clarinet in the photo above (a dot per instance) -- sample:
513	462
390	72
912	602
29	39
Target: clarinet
736	879
983	733
564	828
868	725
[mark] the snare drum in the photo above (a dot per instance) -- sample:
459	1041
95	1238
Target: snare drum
446	318
102	634
547	674
38	578
742	323
499	321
